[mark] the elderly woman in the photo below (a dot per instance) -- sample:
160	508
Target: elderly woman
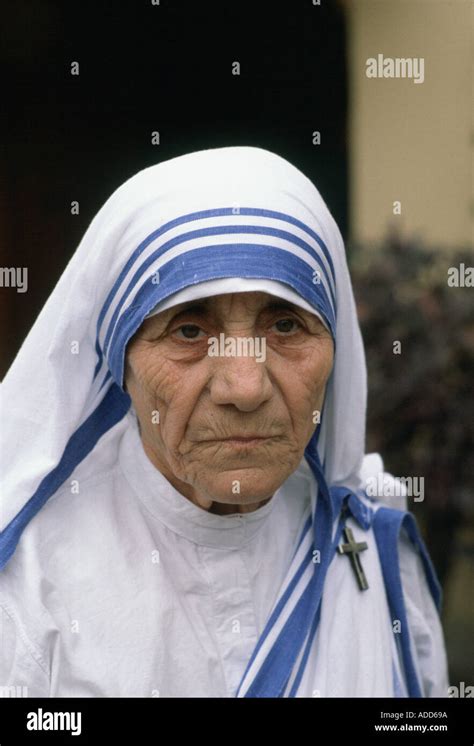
183	434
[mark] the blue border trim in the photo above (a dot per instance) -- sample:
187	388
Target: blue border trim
200	215
111	410
209	263
388	523
223	230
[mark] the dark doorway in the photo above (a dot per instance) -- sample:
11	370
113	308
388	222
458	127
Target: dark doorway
145	68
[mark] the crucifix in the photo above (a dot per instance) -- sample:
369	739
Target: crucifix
352	549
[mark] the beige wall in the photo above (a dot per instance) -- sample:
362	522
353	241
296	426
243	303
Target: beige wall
412	142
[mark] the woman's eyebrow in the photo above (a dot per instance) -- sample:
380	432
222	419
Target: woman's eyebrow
197	308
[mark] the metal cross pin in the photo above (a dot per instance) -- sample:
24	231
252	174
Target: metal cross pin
352	549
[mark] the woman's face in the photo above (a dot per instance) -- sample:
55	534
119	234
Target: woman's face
196	408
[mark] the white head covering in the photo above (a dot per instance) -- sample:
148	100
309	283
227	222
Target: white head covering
219	214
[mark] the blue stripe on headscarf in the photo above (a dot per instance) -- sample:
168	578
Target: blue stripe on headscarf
208	263
111	410
388	523
203	233
200	215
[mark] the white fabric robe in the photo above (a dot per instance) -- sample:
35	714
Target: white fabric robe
122	587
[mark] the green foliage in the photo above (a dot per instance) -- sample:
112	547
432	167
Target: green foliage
421	401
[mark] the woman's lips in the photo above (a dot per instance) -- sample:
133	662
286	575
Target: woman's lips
244	441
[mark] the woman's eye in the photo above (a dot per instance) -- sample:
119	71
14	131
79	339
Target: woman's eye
189	331
287	326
